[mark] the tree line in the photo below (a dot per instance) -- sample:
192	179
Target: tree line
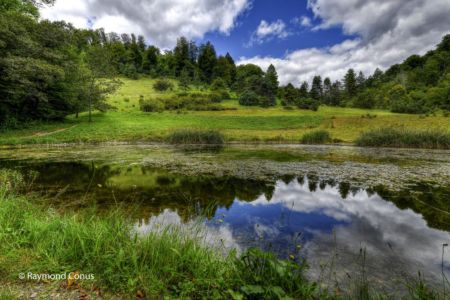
421	84
49	70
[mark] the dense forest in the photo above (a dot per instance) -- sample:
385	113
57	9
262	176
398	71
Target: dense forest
49	70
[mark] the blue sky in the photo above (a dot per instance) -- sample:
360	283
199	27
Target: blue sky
328	38
300	37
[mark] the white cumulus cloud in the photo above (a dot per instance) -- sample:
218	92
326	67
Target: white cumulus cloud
267	31
388	31
160	21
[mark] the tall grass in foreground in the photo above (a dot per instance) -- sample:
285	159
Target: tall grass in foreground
316	137
199	137
163	262
405	138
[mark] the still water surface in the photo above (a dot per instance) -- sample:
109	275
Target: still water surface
286	207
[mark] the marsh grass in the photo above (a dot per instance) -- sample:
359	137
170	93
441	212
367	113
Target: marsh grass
316	137
405	138
196	137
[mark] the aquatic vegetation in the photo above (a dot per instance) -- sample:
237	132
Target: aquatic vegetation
202	137
316	137
405	138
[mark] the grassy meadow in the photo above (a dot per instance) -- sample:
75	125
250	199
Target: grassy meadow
238	124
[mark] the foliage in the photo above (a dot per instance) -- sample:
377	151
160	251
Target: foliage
316	137
151	105
405	138
308	103
207	61
163	85
208	137
218	84
267	277
316	92
249	98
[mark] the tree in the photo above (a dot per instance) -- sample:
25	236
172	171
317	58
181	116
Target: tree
268	93
360	81
316	92
327	86
232	68
350	84
249	98
207	61
181	55
290	95
35	64
184	80
97	83
304	90
218	84
243	75
223	70
150	60
335	94
272	78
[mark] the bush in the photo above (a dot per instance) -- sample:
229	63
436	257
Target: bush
316	137
215	97
308	103
225	95
152	105
186	137
162	85
218	84
249	98
405	138
130	71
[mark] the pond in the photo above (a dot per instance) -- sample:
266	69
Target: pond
347	210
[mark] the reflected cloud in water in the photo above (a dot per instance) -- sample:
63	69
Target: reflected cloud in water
397	241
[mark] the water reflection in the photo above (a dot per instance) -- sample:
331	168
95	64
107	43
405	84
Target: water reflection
403	232
398	241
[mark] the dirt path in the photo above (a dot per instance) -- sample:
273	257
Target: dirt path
41	134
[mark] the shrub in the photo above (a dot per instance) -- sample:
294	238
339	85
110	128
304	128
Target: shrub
225	95
405	138
316	137
218	84
130	71
249	98
162	85
215	97
308	103
152	105
211	137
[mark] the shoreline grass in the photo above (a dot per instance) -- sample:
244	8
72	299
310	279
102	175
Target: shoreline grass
404	138
316	137
196	137
165	262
